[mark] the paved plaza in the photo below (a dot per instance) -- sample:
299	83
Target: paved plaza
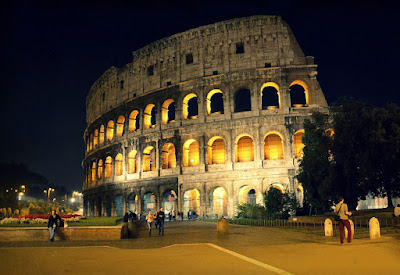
196	248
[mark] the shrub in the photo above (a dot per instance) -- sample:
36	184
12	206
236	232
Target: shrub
251	211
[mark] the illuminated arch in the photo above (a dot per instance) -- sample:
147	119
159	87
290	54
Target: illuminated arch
168	111
298	99
149	159
94	172
91	142
118	164
277	186
108	167
101	135
271	97
190	111
191	201
100	169
273	146
212	101
110	130
244	148
120	126
168	156
191	153
242	100
96	138
133	121
219	199
132	162
247	194
216	150
149	116
298	143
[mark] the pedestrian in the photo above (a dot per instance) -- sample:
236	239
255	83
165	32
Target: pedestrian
126	217
161	218
149	219
179	214
134	216
52	224
170	216
396	212
342	211
189	215
182	215
173	215
156	219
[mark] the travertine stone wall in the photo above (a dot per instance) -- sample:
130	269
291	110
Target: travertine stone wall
271	55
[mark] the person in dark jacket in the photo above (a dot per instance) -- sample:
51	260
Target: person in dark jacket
126	217
52	224
161	218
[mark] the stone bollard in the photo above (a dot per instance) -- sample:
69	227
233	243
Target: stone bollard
352	230
328	228
223	226
374	229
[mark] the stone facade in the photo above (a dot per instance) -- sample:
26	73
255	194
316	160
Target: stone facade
135	145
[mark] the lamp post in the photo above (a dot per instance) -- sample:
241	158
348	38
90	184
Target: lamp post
48	191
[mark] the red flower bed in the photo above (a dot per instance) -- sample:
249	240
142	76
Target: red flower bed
46	216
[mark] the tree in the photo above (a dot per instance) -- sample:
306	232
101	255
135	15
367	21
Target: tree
316	168
278	204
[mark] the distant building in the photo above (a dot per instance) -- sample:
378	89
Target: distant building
202	120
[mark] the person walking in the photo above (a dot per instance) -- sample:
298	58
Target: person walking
149	219
52	224
342	211
156	219
161	218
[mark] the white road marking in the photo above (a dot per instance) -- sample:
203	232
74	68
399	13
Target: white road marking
250	260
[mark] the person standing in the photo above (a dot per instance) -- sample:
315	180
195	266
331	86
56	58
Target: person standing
156	219
161	218
343	212
149	219
52	224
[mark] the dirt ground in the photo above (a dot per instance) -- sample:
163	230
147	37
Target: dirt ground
196	248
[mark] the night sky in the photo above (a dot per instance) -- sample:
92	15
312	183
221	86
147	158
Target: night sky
53	51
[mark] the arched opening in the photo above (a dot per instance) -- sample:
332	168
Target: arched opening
101	135
168	201
219	201
132	202
277	186
119	206
168	111
132	162
120	126
270	96
99	207
149	159
191	153
242	100
216	151
215	102
91	142
110	130
94	172
96	138
107	206
244	148
108	167
150	116
298	144
100	169
118	165
149	203
168	157
134	121
299	94
273	146
191	201
247	194
190	106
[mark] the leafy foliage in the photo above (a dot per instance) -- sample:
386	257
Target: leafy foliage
251	211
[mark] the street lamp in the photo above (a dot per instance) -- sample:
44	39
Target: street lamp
48	191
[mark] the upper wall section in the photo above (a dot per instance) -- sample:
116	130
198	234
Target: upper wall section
228	46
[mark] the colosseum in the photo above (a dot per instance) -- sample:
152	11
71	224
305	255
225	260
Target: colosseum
200	121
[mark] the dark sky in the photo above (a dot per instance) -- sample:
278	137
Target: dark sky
53	51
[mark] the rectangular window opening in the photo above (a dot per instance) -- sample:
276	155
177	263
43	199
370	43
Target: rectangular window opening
189	58
267	65
239	48
169	83
215	72
104	97
150	70
121	84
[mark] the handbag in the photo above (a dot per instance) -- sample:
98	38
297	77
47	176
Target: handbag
337	217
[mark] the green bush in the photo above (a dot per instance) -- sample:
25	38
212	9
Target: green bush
251	211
